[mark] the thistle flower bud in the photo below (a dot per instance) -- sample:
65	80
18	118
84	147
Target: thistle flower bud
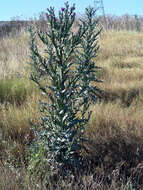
47	15
73	8
63	9
73	14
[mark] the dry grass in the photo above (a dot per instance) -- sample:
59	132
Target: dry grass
86	182
14	55
123	43
116	123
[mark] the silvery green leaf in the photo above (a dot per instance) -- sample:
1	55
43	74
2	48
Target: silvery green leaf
63	91
64	118
61	112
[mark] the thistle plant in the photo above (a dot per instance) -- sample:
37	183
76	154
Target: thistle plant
63	79
86	58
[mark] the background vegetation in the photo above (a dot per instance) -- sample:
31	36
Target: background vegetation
115	155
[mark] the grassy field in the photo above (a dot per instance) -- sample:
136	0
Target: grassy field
115	128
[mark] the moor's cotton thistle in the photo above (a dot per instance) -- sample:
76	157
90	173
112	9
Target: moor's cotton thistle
63	119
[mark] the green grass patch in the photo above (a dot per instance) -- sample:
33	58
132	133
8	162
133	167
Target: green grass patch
16	91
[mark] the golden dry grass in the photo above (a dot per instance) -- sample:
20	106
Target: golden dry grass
14	55
121	59
117	119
